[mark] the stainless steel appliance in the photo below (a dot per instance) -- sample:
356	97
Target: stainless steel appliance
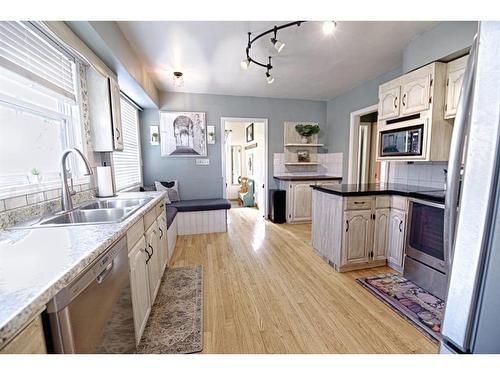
425	262
402	141
94	313
472	232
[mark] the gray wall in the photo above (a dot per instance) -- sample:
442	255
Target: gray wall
206	181
339	110
441	41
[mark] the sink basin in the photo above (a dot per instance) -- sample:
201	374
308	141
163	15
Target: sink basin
97	216
114	203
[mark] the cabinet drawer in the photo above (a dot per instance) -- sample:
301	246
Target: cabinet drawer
383	202
135	232
358	203
160	208
149	218
399	202
30	340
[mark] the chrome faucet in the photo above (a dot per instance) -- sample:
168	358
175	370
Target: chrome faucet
67	193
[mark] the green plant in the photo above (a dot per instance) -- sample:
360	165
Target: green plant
306	130
35	172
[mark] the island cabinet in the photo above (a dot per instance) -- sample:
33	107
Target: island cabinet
357	232
29	340
148	258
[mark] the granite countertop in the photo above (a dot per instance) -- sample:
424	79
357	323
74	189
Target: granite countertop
307	177
346	190
35	264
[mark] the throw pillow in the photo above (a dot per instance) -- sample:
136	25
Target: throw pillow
172	188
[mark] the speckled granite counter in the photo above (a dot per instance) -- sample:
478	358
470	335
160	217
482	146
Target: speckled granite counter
350	190
35	264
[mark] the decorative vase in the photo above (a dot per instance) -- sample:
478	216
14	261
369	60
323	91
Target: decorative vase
305	139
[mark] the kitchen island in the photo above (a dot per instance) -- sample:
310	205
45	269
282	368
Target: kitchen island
363	226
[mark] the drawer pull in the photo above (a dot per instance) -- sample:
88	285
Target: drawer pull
347	225
400	223
360	202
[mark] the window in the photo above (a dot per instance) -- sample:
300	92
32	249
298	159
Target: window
127	163
39	113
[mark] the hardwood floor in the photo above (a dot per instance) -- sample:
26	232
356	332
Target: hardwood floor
266	291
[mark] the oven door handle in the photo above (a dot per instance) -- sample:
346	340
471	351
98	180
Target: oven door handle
460	129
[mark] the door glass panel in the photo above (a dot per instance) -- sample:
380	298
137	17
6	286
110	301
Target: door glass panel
426	232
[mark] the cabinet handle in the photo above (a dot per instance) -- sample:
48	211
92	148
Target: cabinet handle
403	100
395	102
149	255
152	250
400	223
118	134
360	202
347	225
161	232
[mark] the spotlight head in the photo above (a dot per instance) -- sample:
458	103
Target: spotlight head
269	78
329	27
278	44
244	64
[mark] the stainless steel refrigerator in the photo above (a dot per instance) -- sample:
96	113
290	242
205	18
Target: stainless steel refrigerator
472	211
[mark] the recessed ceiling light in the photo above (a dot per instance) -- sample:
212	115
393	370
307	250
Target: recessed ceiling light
178	79
329	27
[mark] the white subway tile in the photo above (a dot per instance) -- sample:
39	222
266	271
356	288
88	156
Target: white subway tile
2	206
52	194
15	202
35	198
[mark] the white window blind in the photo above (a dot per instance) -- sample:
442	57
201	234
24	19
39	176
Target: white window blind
26	52
127	163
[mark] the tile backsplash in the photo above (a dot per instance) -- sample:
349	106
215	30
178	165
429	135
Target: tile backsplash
330	164
429	174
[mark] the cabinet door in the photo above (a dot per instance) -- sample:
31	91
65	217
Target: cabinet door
396	238
357	237
415	95
162	240
453	86
116	115
154	261
388	106
139	282
381	234
301	201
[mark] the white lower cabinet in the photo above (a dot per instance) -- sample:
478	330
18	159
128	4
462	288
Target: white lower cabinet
381	233
357	237
395	249
139	282
148	257
154	261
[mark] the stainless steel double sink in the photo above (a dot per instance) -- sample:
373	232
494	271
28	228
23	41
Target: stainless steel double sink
97	212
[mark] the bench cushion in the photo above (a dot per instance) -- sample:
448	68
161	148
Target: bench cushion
202	205
171	212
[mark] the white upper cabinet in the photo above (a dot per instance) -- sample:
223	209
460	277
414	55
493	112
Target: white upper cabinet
104	112
416	95
388	106
455	71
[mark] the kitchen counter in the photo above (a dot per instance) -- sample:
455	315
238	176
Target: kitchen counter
307	177
35	264
347	190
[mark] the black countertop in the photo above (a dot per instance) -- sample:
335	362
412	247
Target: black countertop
353	190
307	178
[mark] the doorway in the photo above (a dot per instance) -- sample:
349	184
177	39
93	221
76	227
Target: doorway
363	165
244	155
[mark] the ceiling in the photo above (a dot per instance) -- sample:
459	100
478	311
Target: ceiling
311	66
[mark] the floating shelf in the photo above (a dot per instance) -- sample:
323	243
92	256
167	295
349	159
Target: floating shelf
302	163
304	145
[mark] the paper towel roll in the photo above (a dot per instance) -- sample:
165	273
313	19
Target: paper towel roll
104	182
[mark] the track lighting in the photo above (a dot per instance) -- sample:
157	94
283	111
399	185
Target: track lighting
269	77
245	63
329	27
178	79
278	44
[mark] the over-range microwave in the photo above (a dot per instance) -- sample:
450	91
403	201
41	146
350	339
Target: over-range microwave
404	141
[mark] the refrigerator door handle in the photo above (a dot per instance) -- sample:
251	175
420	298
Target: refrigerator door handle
460	129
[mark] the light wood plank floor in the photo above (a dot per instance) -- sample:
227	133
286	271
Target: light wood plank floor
266	291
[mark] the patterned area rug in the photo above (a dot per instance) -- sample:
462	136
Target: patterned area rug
415	304
175	324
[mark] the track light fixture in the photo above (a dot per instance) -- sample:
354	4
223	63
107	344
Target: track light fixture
329	27
278	45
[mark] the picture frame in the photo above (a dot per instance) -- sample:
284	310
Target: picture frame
250	164
250	132
211	134
154	135
183	134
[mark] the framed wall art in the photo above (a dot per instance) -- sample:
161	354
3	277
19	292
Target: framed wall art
183	134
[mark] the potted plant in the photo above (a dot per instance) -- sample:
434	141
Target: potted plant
35	177
306	131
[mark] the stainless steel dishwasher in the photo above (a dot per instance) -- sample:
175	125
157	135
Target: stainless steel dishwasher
94	313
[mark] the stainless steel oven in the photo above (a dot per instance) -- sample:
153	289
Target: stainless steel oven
425	262
407	141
